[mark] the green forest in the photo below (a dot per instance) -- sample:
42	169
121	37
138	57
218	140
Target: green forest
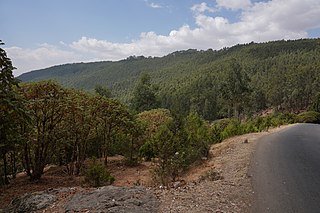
282	75
168	109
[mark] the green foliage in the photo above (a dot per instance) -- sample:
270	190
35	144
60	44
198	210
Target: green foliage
243	79
165	149
198	137
97	175
144	96
146	151
309	117
47	106
12	114
68	126
225	128
177	146
233	128
279	119
316	103
235	87
103	91
153	120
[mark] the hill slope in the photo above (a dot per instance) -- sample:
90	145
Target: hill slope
282	74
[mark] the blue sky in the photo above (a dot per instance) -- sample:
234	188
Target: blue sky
42	33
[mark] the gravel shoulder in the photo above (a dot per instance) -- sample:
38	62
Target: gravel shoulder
220	184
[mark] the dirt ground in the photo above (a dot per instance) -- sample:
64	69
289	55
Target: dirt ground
219	184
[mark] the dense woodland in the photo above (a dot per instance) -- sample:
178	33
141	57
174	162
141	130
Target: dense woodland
282	75
168	109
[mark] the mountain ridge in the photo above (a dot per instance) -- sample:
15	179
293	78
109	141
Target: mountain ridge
195	78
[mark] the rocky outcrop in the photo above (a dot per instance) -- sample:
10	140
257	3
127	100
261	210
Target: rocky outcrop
32	202
114	199
104	199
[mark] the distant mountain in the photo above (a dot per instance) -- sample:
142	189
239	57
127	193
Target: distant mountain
120	76
281	72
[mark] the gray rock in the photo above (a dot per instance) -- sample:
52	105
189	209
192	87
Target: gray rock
31	202
114	199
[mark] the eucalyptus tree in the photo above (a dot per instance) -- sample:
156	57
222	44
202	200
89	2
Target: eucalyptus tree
144	95
235	87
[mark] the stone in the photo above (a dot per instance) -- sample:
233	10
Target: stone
114	199
32	202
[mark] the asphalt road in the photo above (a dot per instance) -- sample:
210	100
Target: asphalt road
286	171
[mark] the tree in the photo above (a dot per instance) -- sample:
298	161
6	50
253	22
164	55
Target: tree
77	128
47	107
153	120
165	149
112	117
12	112
177	144
235	87
198	139
144	95
103	91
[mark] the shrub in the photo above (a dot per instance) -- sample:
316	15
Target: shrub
309	117
97	175
216	128
176	147
232	129
282	119
146	151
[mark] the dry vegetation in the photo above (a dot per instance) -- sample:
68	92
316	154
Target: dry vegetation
219	184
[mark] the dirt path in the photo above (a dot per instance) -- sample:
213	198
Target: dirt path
221	184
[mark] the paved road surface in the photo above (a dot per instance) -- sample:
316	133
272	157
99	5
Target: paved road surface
286	171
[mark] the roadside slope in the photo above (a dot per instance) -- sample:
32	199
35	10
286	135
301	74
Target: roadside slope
221	184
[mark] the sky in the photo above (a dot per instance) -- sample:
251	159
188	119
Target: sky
42	33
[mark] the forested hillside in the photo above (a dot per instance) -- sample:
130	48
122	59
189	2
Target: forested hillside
45	123
241	80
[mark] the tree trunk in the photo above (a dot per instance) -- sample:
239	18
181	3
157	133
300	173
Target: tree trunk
13	163
27	160
37	172
6	180
131	150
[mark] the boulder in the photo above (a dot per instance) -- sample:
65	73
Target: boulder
31	202
114	199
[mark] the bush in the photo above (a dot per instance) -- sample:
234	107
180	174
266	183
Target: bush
233	128
225	128
282	119
176	147
309	117
146	151
97	175
216	129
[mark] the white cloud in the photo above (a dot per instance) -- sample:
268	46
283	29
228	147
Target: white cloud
153	5
41	57
201	8
233	4
264	21
290	15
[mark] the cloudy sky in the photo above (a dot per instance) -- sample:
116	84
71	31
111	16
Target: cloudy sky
42	33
